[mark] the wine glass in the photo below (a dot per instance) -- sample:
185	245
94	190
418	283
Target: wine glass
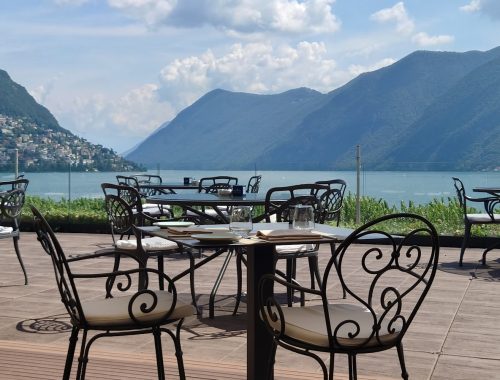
240	221
303	217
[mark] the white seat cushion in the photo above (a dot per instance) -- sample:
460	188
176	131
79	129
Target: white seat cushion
294	248
210	212
114	311
149	244
6	230
482	218
307	324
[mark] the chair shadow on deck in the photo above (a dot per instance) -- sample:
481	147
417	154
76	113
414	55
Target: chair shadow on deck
488	272
52	324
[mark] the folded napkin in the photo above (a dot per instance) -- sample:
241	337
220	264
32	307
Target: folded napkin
6	230
187	231
275	235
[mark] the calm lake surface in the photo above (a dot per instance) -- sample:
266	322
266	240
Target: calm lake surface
394	187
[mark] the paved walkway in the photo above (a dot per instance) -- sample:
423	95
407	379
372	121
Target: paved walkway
454	336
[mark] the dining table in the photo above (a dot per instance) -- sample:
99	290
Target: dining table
260	261
196	202
492	190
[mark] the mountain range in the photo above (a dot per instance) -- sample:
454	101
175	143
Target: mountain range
428	111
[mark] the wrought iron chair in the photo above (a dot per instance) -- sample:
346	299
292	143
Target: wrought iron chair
212	185
127	313
489	217
12	197
332	208
123	208
253	184
155	210
382	300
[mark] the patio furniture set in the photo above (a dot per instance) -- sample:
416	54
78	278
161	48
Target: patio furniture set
373	315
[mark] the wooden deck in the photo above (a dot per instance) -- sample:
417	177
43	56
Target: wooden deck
455	335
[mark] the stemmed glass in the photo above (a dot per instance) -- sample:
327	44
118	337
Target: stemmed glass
303	217
240	221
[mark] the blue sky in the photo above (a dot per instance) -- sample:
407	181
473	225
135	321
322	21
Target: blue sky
112	71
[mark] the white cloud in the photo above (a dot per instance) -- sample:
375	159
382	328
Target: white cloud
253	67
241	16
397	14
423	39
473	6
131	117
149	11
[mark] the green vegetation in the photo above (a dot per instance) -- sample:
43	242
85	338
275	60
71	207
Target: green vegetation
445	214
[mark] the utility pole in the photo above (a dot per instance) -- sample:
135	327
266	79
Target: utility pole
358	180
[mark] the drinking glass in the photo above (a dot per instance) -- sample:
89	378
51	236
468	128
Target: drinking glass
240	221
303	217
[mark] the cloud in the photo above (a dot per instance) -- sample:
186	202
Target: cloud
240	16
397	14
130	118
423	39
151	12
253	67
473	6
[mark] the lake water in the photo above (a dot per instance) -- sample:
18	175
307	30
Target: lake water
394	187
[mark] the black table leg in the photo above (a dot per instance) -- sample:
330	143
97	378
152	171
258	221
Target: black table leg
259	341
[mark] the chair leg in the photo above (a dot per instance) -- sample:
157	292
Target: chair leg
18	253
404	373
161	282
289	276
191	280
220	276
178	350
159	353
314	272
465	241
82	357
353	372
485	252
239	278
332	367
71	352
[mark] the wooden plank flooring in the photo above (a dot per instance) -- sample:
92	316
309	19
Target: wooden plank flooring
454	336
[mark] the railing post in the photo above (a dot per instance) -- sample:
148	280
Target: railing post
358	170
16	167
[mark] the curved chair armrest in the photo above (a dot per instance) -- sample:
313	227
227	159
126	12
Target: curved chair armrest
273	278
126	274
105	252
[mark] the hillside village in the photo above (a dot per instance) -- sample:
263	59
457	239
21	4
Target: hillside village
45	149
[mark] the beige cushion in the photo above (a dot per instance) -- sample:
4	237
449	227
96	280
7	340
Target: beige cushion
149	244
482	218
114	311
307	324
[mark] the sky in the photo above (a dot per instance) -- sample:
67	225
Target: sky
113	71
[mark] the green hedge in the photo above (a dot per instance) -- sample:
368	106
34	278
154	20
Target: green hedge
445	214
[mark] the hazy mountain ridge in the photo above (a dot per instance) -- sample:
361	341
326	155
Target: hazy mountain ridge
435	109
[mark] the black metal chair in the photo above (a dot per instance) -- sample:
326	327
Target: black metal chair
123	208
212	184
12	197
332	207
155	210
253	184
489	217
126	313
391	281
